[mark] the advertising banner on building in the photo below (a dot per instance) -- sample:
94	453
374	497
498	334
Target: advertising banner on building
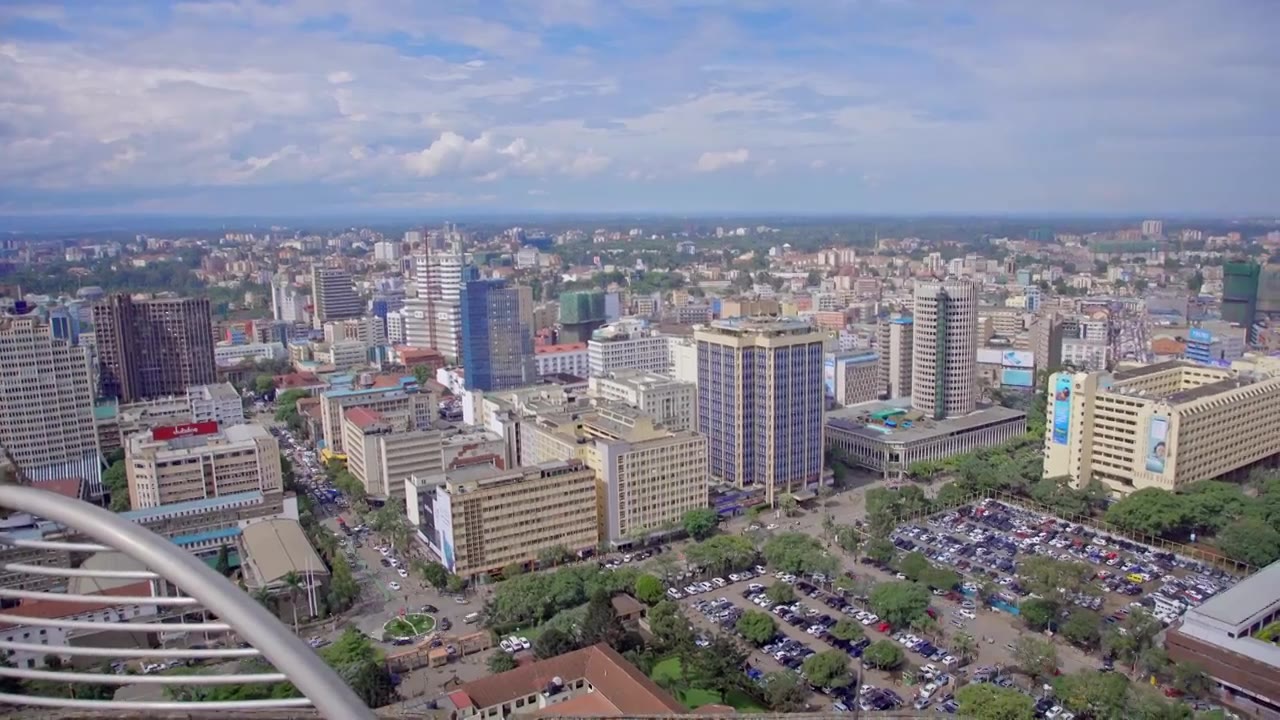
1017	359
1062	409
171	432
1200	335
1017	377
1157	443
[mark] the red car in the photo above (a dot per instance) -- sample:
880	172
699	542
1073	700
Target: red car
884	627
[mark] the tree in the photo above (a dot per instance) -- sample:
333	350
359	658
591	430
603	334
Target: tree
552	642
670	628
1035	656
1250	540
115	479
985	701
552	556
293	583
648	589
1081	628
1151	510
601	624
913	565
720	554
964	646
940	578
800	554
223	563
848	630
756	627
784	692
879	550
422	374
787	504
1093	693
1050	578
829	669
263	385
1191	679
700	523
512	569
883	655
718	666
1038	614
897	603
848	538
780	593
434	573
500	662
343	588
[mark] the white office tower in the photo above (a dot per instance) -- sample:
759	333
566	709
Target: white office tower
387	251
46	404
333	295
944	357
433	319
287	304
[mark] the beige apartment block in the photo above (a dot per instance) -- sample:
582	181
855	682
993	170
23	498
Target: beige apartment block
405	396
384	449
486	518
670	402
649	476
208	462
1163	425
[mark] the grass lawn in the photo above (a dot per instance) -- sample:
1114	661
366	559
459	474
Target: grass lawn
411	625
693	698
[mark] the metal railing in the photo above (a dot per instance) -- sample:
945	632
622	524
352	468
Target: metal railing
202	591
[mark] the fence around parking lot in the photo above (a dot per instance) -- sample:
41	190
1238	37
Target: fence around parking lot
1093	523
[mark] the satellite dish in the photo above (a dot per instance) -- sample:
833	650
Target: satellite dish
557	681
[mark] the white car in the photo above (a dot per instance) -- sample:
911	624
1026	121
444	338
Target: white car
403	573
1053	712
755	587
674	594
966	614
506	646
691	590
771	526
718	582
393	585
870	619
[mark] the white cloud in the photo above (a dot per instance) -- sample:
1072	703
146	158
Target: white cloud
340	77
487	159
713	161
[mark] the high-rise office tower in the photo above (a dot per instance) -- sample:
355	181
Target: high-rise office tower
1047	332
1240	281
46	404
761	401
497	340
333	295
433	318
944	372
153	347
894	343
1153	228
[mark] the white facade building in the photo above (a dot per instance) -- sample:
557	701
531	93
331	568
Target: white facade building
628	344
569	359
944	354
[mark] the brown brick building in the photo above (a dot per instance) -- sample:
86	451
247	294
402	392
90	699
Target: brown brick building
153	347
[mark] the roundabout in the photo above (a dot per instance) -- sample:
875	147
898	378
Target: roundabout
408	626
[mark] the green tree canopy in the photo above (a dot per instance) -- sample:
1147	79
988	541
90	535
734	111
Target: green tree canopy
500	662
829	668
756	627
898	603
648	589
720	554
848	629
1035	656
700	523
984	701
883	654
799	553
780	593
784	692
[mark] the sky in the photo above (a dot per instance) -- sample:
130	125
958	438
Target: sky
294	107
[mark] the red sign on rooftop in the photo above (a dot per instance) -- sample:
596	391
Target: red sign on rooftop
188	430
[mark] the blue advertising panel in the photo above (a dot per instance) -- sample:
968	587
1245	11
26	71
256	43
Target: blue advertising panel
1017	359
1157	443
1201	336
1062	409
1017	377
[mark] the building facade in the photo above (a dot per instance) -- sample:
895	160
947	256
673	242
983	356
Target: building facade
201	461
333	295
945	348
153	347
219	403
47	425
433	319
669	402
852	378
565	358
627	344
384	449
1163	425
760	402
895	340
405	396
497	337
486	518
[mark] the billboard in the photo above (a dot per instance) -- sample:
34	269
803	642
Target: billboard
989	356
172	432
1018	359
1157	443
1062	409
1200	335
442	510
1017	377
829	376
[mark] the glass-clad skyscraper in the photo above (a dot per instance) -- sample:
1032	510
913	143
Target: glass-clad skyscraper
497	335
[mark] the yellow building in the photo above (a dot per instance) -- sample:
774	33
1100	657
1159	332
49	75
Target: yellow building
1162	425
648	476
485	518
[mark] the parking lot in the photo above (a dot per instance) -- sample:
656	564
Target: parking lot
987	542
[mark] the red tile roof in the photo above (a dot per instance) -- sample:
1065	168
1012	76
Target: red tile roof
562	347
49	609
627	690
363	417
71	487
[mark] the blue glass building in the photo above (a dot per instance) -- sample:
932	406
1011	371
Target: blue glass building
497	334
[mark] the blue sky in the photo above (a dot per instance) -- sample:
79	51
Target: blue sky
287	107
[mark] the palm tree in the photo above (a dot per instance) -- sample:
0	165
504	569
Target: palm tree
264	596
293	581
963	645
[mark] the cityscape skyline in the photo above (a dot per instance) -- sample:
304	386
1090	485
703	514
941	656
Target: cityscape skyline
319	105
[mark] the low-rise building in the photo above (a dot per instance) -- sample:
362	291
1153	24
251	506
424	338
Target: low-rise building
386	448
627	344
853	378
648	475
400	395
566	358
485	518
888	437
198	461
670	402
219	403
106	607
273	550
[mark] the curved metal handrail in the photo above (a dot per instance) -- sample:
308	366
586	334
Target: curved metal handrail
293	660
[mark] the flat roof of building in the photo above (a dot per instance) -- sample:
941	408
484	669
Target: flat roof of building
207	536
859	420
190	506
1144	370
1245	599
278	547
